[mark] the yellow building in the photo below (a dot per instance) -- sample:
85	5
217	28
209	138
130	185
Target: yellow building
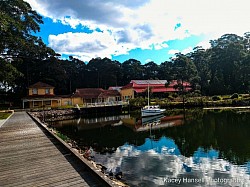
127	92
41	95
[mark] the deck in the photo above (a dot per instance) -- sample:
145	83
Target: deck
30	156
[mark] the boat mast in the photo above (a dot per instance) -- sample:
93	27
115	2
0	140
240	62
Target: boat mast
148	94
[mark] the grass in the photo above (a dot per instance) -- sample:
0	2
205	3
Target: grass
62	136
4	115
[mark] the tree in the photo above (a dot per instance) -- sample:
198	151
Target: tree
201	59
104	72
151	70
132	69
18	22
227	54
166	71
184	71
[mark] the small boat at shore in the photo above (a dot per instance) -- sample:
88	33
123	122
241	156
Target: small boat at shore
151	110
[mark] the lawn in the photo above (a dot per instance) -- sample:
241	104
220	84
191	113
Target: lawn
4	115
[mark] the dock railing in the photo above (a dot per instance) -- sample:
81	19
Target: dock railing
102	104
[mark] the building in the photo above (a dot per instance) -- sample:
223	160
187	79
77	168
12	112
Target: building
41	95
139	87
96	95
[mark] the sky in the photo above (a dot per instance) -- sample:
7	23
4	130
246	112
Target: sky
146	30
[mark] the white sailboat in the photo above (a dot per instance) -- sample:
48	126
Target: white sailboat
151	110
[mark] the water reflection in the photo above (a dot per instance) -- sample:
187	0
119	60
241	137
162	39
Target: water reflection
196	147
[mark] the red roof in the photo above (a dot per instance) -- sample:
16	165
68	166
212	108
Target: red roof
40	85
140	86
109	93
90	93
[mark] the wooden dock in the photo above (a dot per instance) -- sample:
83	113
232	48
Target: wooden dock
30	157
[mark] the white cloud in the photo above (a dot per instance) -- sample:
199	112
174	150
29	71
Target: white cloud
173	51
187	50
184	51
160	46
204	44
141	24
148	60
85	46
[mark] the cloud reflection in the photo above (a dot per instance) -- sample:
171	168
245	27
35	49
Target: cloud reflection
152	163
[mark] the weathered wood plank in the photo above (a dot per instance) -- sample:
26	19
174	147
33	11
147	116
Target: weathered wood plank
29	157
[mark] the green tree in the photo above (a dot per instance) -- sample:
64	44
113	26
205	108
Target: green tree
151	70
104	72
201	59
18	22
227	57
166	71
132	69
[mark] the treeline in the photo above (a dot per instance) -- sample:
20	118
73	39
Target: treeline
224	68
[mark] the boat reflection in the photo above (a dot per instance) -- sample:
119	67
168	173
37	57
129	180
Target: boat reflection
153	122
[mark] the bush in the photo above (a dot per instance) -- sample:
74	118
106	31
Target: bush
235	96
174	95
216	98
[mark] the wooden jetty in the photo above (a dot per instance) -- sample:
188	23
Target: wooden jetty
30	156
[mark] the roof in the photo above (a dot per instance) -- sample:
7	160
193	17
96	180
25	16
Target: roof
140	86
109	93
88	93
40	85
155	82
129	85
114	87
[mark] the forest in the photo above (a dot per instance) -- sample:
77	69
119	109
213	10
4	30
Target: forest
224	68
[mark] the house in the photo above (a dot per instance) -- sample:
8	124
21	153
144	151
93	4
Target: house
137	87
41	95
95	95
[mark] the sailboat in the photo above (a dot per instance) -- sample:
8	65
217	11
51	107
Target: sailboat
151	110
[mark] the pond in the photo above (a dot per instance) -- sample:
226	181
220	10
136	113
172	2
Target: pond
191	148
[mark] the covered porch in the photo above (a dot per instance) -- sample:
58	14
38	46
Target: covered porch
41	102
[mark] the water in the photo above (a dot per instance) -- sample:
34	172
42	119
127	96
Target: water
195	148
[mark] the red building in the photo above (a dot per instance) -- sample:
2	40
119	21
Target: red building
137	87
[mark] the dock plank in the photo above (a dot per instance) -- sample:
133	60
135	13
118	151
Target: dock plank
30	157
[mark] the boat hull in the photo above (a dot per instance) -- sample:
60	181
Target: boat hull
148	112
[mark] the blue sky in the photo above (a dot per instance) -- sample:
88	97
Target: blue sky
146	30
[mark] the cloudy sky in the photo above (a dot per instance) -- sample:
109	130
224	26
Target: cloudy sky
147	30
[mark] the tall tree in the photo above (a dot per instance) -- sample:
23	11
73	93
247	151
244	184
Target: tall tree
104	72
201	59
18	22
132	69
151	70
227	54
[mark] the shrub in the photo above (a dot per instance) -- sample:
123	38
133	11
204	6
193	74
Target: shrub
216	98
174	95
235	96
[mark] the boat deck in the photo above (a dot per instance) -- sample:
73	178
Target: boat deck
30	156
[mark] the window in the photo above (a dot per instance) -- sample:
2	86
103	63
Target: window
47	103
47	91
34	91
